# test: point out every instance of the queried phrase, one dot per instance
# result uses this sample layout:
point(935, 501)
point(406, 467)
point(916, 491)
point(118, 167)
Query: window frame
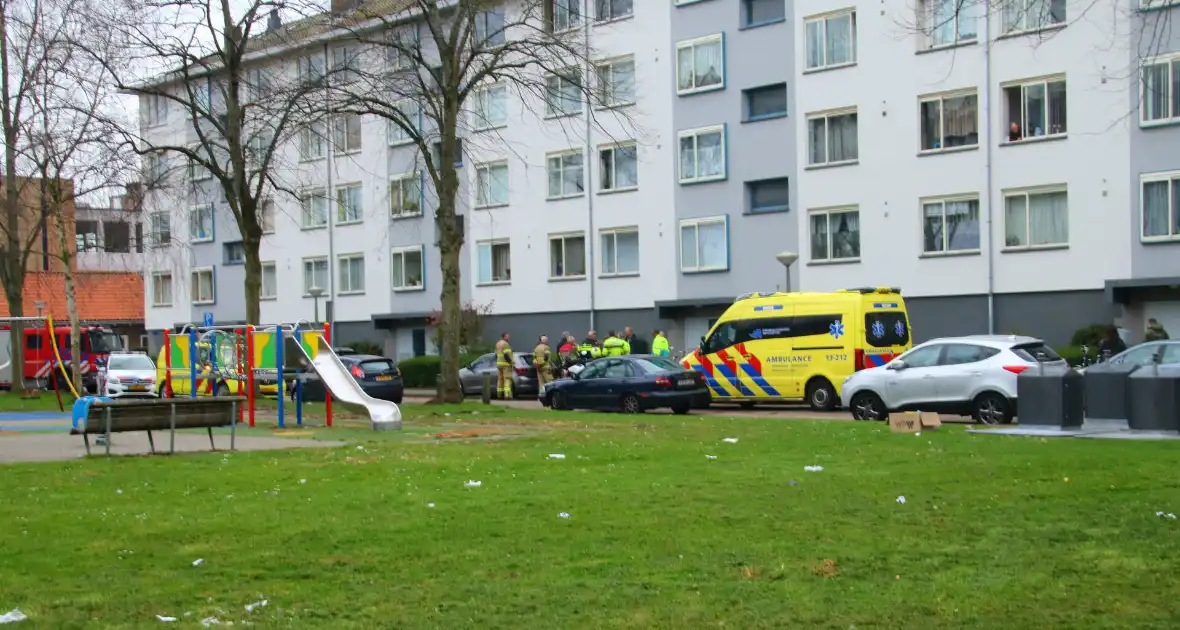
point(266, 215)
point(402, 251)
point(1026, 193)
point(195, 275)
point(155, 110)
point(307, 134)
point(940, 98)
point(156, 275)
point(614, 233)
point(197, 172)
point(563, 237)
point(1172, 178)
point(696, 224)
point(491, 244)
point(826, 115)
point(340, 207)
point(343, 264)
point(926, 21)
point(744, 21)
point(492, 40)
point(262, 293)
point(155, 234)
point(613, 148)
point(601, 90)
point(312, 260)
point(571, 24)
point(750, 91)
point(1007, 30)
point(560, 156)
point(696, 133)
point(393, 131)
point(829, 212)
point(306, 71)
point(195, 219)
point(749, 186)
point(1022, 84)
point(488, 201)
point(479, 121)
point(944, 199)
point(568, 75)
point(398, 181)
point(599, 19)
point(1173, 91)
point(715, 38)
point(825, 19)
point(227, 247)
point(344, 119)
point(306, 194)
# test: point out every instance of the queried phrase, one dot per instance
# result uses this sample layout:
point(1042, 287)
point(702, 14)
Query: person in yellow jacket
point(542, 359)
point(590, 344)
point(504, 367)
point(659, 344)
point(613, 346)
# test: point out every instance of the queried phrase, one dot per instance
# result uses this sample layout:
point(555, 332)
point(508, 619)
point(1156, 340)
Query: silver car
point(969, 376)
point(128, 374)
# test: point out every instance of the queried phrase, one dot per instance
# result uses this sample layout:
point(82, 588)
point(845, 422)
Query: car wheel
point(630, 404)
point(681, 410)
point(557, 401)
point(991, 408)
point(869, 407)
point(821, 396)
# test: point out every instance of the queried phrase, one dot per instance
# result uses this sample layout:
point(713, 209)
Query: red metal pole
point(250, 371)
point(327, 394)
point(240, 346)
point(167, 364)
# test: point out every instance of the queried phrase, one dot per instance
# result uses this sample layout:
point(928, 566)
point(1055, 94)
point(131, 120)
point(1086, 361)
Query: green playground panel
point(264, 350)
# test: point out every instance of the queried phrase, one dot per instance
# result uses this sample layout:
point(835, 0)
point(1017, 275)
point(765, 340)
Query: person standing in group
point(636, 345)
point(504, 368)
point(566, 348)
point(590, 344)
point(659, 344)
point(1111, 344)
point(1155, 331)
point(541, 359)
point(613, 346)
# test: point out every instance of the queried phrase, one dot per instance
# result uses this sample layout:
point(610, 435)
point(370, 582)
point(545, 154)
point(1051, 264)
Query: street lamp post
point(787, 259)
point(40, 306)
point(315, 293)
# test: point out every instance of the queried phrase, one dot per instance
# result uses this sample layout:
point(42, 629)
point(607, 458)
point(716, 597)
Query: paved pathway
point(60, 446)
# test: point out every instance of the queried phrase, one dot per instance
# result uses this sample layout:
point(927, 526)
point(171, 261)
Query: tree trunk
point(14, 273)
point(253, 279)
point(450, 242)
point(67, 256)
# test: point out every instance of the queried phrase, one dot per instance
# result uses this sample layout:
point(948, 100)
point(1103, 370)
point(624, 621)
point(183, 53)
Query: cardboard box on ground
point(914, 421)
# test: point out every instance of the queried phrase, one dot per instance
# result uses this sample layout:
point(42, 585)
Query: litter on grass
point(198, 562)
point(302, 481)
point(210, 621)
point(1168, 515)
point(471, 483)
point(165, 619)
point(710, 457)
point(429, 505)
point(258, 604)
point(13, 616)
point(730, 440)
point(813, 468)
point(901, 499)
point(563, 515)
point(556, 456)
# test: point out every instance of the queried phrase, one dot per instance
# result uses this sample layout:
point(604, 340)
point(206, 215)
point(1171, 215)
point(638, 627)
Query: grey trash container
point(1155, 398)
point(1108, 391)
point(1050, 397)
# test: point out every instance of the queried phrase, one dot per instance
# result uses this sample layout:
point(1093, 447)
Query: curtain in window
point(962, 225)
point(707, 64)
point(842, 140)
point(710, 156)
point(840, 43)
point(815, 44)
point(846, 235)
point(626, 167)
point(627, 249)
point(399, 270)
point(932, 235)
point(1155, 209)
point(712, 245)
point(1155, 91)
point(1048, 218)
point(502, 259)
point(942, 22)
point(688, 161)
point(684, 68)
point(688, 247)
point(819, 237)
point(575, 257)
point(1016, 221)
point(817, 131)
point(960, 125)
point(1057, 118)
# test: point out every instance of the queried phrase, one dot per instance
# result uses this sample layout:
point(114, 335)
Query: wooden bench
point(168, 414)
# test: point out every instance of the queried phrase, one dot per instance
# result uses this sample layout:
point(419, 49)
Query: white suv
point(128, 374)
point(969, 376)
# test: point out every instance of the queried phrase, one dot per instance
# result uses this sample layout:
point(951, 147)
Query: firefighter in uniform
point(613, 346)
point(504, 367)
point(543, 360)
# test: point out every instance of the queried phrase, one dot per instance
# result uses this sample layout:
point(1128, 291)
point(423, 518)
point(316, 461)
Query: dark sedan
point(378, 376)
point(631, 384)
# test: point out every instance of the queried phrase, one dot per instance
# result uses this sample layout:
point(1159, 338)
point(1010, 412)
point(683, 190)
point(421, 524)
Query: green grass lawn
point(995, 532)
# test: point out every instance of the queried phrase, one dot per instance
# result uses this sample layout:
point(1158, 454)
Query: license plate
point(385, 378)
point(687, 382)
point(139, 388)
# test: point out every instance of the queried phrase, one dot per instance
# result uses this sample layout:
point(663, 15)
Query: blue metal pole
point(192, 357)
point(213, 362)
point(279, 367)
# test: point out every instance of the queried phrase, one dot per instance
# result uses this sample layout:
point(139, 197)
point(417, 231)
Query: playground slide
point(337, 380)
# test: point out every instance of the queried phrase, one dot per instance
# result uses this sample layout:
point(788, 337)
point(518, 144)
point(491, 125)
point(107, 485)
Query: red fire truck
point(41, 364)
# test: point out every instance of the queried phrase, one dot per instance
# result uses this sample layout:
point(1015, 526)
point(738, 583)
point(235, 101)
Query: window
point(352, 274)
point(563, 94)
point(153, 109)
point(619, 168)
point(162, 288)
point(270, 283)
point(495, 262)
point(235, 253)
point(315, 275)
point(86, 236)
point(566, 175)
point(266, 216)
point(436, 153)
point(1036, 218)
point(963, 353)
point(758, 12)
point(201, 223)
point(139, 238)
point(161, 227)
point(832, 138)
point(563, 15)
point(257, 148)
point(620, 252)
point(949, 121)
point(491, 185)
point(399, 51)
point(614, 9)
point(345, 64)
point(314, 204)
point(202, 90)
point(116, 237)
point(258, 85)
point(405, 195)
point(567, 256)
point(616, 82)
point(197, 172)
point(491, 107)
point(950, 225)
point(408, 270)
point(1035, 109)
point(702, 155)
point(1161, 91)
point(1032, 15)
point(831, 40)
point(411, 115)
point(700, 64)
point(946, 22)
point(34, 342)
point(203, 286)
point(1160, 206)
point(346, 133)
point(489, 28)
point(835, 234)
point(311, 69)
point(887, 328)
point(704, 244)
point(762, 103)
point(769, 195)
point(155, 166)
point(349, 208)
point(313, 141)
point(924, 357)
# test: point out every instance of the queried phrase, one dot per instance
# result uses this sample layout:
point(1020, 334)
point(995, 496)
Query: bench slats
point(156, 415)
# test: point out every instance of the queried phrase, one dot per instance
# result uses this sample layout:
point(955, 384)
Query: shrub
point(422, 372)
point(365, 347)
point(1073, 354)
point(1089, 335)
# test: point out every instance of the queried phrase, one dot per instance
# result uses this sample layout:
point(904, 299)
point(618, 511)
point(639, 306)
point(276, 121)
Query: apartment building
point(111, 237)
point(1008, 168)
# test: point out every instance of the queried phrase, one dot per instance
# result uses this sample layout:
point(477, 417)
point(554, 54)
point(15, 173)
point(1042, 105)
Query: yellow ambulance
point(800, 346)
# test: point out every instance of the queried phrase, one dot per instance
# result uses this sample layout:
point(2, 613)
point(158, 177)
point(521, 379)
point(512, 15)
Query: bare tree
point(420, 65)
point(203, 61)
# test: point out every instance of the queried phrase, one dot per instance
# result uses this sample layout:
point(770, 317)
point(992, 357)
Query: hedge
point(422, 372)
